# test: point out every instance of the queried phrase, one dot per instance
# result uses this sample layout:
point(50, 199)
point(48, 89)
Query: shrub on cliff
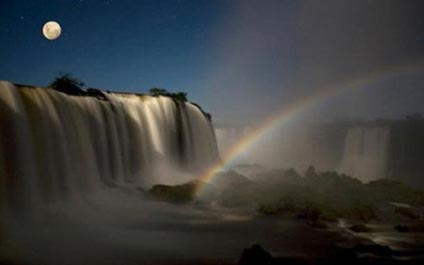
point(156, 92)
point(178, 194)
point(68, 85)
point(182, 96)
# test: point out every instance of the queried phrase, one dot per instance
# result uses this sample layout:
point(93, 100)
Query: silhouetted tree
point(155, 92)
point(181, 96)
point(68, 84)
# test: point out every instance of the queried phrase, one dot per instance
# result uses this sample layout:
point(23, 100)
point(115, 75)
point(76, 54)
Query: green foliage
point(323, 196)
point(330, 195)
point(396, 191)
point(72, 86)
point(360, 211)
point(182, 96)
point(156, 92)
point(178, 194)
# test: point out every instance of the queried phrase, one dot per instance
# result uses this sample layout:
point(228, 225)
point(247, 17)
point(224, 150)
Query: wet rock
point(374, 249)
point(360, 228)
point(255, 255)
point(93, 92)
point(409, 212)
point(309, 213)
point(411, 228)
point(178, 194)
point(317, 224)
point(402, 228)
point(230, 180)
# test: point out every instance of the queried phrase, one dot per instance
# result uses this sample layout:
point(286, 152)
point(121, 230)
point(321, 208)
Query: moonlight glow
point(52, 30)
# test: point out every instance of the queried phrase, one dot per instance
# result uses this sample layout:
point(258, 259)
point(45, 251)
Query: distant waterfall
point(366, 153)
point(227, 137)
point(54, 146)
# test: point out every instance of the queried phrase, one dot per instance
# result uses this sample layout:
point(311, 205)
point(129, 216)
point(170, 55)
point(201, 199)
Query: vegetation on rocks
point(68, 85)
point(315, 197)
point(156, 92)
point(178, 194)
point(72, 86)
point(324, 196)
point(360, 228)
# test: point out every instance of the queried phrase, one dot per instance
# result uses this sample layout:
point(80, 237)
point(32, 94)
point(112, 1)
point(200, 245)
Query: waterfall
point(56, 147)
point(366, 153)
point(367, 150)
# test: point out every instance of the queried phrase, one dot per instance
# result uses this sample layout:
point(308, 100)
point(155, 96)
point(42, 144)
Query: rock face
point(417, 227)
point(360, 228)
point(230, 180)
point(378, 250)
point(255, 255)
point(183, 193)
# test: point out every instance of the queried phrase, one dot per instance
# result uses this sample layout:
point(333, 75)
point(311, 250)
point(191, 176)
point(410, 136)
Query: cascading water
point(56, 147)
point(366, 153)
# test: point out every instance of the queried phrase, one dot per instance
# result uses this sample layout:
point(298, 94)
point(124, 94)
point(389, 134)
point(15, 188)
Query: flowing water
point(56, 147)
point(366, 153)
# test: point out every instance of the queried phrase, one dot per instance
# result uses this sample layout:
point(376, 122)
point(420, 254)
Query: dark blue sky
point(119, 45)
point(239, 59)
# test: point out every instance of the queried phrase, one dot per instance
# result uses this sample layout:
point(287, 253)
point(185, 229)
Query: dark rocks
point(408, 212)
point(377, 250)
point(411, 228)
point(72, 86)
point(310, 214)
point(377, 255)
point(402, 228)
point(360, 228)
point(96, 93)
point(230, 180)
point(317, 224)
point(178, 194)
point(255, 255)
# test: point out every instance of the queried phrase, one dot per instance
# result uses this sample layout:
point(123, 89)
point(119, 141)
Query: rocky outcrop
point(256, 255)
point(178, 194)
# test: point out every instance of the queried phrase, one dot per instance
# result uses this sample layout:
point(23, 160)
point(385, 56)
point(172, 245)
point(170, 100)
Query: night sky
point(241, 60)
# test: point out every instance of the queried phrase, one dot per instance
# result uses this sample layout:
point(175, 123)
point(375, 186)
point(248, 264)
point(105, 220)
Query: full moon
point(52, 30)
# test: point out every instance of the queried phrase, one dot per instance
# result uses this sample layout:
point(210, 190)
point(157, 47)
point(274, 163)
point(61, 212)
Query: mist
point(271, 55)
point(274, 55)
